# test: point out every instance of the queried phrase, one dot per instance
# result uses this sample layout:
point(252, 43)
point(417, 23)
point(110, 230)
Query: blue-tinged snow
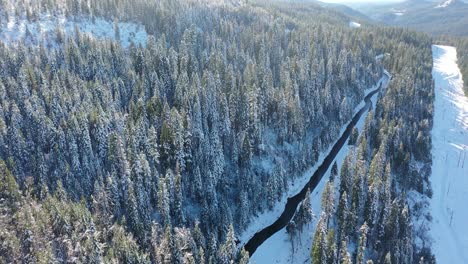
point(449, 180)
point(44, 29)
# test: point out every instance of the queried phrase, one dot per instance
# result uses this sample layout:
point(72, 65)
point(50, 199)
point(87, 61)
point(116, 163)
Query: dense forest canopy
point(163, 152)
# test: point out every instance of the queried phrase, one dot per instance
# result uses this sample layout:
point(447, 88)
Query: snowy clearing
point(277, 249)
point(449, 177)
point(45, 27)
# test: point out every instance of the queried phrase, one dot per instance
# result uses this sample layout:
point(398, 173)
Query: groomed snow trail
point(449, 178)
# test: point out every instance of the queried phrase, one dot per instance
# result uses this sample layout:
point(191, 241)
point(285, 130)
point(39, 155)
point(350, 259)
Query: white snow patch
point(277, 249)
point(449, 177)
point(353, 24)
point(420, 217)
point(380, 57)
point(444, 4)
point(398, 13)
point(44, 29)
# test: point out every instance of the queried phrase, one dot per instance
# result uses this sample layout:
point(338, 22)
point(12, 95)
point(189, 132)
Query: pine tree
point(334, 172)
point(331, 247)
point(228, 250)
point(328, 201)
point(153, 147)
point(318, 252)
point(271, 191)
point(346, 174)
point(353, 137)
point(134, 221)
point(243, 256)
point(304, 215)
point(141, 175)
point(344, 254)
point(198, 184)
point(360, 259)
point(9, 190)
point(163, 201)
point(342, 214)
point(243, 209)
point(179, 217)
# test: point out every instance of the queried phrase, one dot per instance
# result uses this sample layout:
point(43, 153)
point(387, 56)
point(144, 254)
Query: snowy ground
point(44, 29)
point(277, 249)
point(450, 160)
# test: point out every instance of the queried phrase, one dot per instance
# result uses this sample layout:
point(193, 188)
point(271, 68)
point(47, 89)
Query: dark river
point(293, 202)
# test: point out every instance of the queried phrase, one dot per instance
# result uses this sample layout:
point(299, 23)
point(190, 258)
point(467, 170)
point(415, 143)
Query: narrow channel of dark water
point(293, 202)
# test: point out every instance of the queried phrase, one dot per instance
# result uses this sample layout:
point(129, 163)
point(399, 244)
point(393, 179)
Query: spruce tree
point(361, 254)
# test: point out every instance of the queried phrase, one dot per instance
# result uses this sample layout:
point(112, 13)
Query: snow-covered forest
point(158, 131)
point(376, 212)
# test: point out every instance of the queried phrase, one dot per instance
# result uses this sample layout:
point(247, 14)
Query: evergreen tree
point(342, 214)
point(344, 254)
point(361, 255)
point(304, 215)
point(319, 246)
point(353, 137)
point(243, 256)
point(328, 201)
point(334, 172)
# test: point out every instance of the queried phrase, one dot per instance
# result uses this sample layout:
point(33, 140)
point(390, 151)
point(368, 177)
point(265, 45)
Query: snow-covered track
point(449, 178)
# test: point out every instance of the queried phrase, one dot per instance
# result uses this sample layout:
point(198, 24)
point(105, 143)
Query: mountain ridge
point(434, 17)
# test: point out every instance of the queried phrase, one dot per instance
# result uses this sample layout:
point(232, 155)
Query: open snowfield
point(278, 249)
point(450, 160)
point(44, 29)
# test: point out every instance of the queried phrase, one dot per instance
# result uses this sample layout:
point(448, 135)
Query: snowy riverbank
point(277, 249)
point(449, 178)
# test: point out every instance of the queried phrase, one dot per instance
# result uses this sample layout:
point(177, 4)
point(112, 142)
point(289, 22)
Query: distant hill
point(346, 10)
point(340, 10)
point(435, 17)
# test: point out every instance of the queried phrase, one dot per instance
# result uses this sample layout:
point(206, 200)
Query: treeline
point(462, 55)
point(461, 44)
point(367, 215)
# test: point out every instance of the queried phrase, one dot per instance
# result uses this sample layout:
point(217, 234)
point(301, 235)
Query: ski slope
point(449, 178)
